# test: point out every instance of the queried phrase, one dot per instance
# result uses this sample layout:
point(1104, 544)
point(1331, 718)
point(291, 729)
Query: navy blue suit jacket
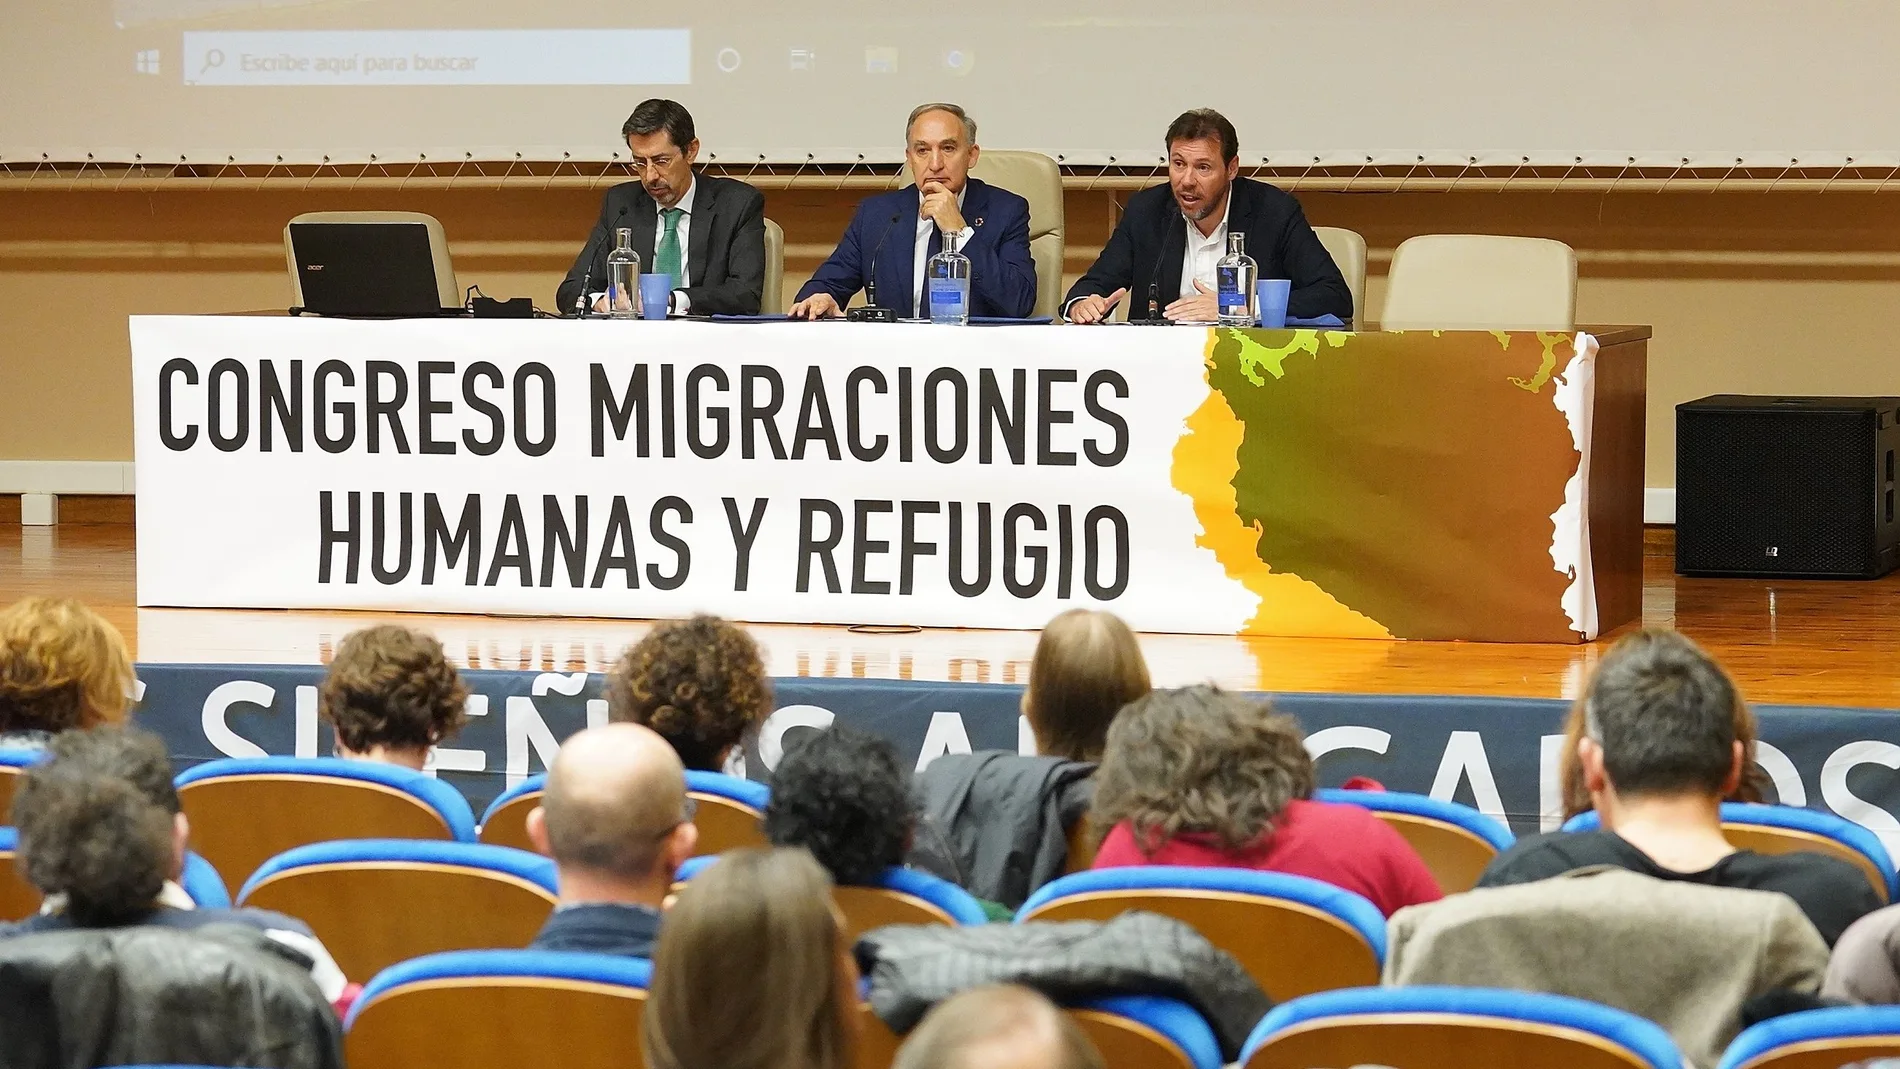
point(1002, 274)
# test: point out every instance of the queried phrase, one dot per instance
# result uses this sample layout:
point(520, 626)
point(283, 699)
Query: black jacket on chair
point(1147, 248)
point(222, 994)
point(725, 245)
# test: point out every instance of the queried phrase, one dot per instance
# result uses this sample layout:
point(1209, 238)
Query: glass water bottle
point(623, 276)
point(1235, 276)
point(947, 284)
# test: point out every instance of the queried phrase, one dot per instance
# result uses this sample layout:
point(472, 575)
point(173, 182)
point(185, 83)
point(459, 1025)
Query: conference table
point(1481, 485)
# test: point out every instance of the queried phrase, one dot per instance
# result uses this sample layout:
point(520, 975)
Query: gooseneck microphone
point(873, 312)
point(582, 306)
point(1170, 218)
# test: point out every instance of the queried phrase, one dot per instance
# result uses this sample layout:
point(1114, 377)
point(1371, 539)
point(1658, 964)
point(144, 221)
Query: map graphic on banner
point(1330, 493)
point(1409, 485)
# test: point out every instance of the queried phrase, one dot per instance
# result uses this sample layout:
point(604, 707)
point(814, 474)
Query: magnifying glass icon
point(213, 58)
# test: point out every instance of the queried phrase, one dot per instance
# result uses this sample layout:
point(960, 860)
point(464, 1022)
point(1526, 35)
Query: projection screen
point(1500, 81)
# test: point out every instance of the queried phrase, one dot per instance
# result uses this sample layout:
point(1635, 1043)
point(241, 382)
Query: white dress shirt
point(681, 303)
point(1201, 259)
point(920, 246)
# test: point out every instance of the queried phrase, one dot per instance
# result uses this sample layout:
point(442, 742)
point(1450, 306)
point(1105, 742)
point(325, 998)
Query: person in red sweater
point(1201, 777)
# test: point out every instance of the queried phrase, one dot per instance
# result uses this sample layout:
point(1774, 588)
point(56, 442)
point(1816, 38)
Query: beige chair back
point(1037, 179)
point(1455, 856)
point(446, 290)
point(1481, 282)
point(865, 908)
point(1289, 948)
point(373, 914)
point(1348, 251)
point(1081, 847)
point(10, 777)
point(18, 898)
point(1438, 1041)
point(1124, 1043)
point(772, 298)
point(499, 1022)
point(1768, 839)
point(508, 826)
point(1832, 1053)
point(240, 822)
point(724, 823)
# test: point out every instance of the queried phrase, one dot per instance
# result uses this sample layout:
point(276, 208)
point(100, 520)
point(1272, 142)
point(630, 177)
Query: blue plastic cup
point(1272, 294)
point(656, 292)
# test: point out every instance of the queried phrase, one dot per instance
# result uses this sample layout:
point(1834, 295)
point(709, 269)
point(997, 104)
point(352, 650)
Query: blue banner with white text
point(1497, 754)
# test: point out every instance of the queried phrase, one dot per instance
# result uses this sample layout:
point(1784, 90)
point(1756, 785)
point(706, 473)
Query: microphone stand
point(873, 312)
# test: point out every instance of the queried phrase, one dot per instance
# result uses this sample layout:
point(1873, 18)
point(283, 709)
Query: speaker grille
point(1762, 490)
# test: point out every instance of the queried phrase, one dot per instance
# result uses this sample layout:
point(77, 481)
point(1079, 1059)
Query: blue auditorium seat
point(1830, 1038)
point(903, 896)
point(1292, 934)
point(500, 1009)
point(247, 810)
point(375, 902)
point(1455, 841)
point(1454, 1028)
point(1782, 829)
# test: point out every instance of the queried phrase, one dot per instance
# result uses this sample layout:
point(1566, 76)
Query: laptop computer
point(368, 270)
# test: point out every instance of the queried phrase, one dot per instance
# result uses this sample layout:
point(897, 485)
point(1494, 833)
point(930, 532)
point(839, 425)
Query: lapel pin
point(978, 221)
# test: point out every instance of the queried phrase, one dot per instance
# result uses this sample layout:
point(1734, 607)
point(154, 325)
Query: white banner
point(828, 473)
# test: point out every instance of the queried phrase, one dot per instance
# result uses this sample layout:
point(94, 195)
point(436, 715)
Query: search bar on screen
point(439, 57)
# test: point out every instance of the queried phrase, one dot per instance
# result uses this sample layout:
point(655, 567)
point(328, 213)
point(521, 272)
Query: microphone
point(1170, 218)
point(580, 299)
point(583, 306)
point(873, 312)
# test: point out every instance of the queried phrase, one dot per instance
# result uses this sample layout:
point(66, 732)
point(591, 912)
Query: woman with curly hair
point(61, 666)
point(392, 695)
point(699, 683)
point(843, 795)
point(1201, 777)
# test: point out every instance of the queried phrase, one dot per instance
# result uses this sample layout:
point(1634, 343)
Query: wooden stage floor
point(1824, 643)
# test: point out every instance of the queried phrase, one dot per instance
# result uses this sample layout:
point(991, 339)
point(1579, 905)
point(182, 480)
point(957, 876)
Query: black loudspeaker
point(1787, 487)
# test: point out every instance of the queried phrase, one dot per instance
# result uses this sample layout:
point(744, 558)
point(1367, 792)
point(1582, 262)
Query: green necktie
point(666, 259)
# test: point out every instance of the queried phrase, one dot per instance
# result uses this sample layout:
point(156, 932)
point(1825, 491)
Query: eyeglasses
point(641, 163)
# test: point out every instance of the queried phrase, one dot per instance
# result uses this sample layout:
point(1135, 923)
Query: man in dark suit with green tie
point(707, 233)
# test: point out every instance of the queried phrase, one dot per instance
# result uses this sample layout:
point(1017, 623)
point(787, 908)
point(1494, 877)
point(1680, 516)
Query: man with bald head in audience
point(997, 1027)
point(615, 819)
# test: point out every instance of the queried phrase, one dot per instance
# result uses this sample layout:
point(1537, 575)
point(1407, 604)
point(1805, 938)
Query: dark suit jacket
point(725, 245)
point(1279, 239)
point(1002, 274)
point(602, 928)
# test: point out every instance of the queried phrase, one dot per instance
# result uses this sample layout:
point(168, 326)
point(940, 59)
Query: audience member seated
point(102, 837)
point(1692, 958)
point(700, 683)
point(1198, 776)
point(1865, 967)
point(996, 822)
point(842, 795)
point(1659, 752)
point(61, 666)
point(753, 971)
point(616, 821)
point(392, 696)
point(1003, 1026)
point(1753, 786)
